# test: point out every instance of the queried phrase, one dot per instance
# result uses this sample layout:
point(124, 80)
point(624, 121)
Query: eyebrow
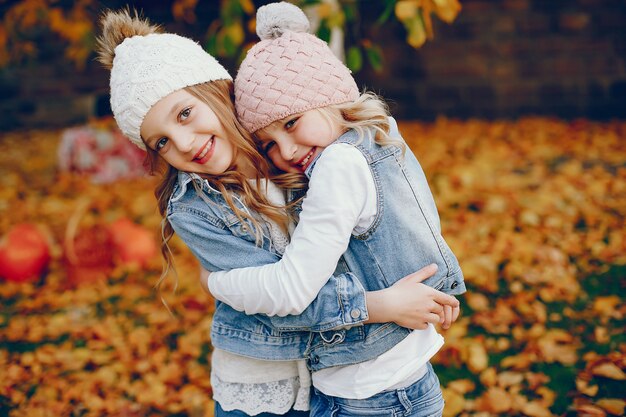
point(287, 118)
point(176, 105)
point(278, 124)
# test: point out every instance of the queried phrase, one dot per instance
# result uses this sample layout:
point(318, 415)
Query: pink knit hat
point(289, 71)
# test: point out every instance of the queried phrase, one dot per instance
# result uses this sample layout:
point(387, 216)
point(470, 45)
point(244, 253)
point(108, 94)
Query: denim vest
point(404, 237)
point(201, 217)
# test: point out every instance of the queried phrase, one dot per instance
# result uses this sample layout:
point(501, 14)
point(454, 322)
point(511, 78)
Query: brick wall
point(508, 58)
point(51, 92)
point(500, 58)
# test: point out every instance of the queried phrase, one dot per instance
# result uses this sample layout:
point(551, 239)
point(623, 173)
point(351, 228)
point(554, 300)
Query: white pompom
point(272, 20)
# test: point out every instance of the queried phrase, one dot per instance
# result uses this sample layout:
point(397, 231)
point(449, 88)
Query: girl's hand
point(450, 315)
point(204, 280)
point(411, 304)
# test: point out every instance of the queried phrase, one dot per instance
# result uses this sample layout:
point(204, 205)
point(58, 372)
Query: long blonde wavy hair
point(218, 95)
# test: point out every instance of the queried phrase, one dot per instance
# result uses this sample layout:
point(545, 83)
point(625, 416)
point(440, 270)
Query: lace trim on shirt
point(276, 397)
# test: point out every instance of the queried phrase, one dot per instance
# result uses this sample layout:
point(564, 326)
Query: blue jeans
point(236, 413)
point(422, 399)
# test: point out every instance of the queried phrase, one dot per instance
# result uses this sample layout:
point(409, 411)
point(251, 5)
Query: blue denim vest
point(201, 217)
point(404, 237)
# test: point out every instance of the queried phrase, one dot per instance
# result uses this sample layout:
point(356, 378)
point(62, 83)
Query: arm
point(337, 195)
point(217, 248)
point(408, 302)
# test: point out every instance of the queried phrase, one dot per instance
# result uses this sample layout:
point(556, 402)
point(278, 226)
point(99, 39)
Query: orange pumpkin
point(132, 242)
point(24, 253)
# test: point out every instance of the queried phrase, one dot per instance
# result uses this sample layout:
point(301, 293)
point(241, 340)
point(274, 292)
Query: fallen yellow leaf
point(584, 387)
point(606, 305)
point(609, 370)
point(548, 396)
point(455, 403)
point(462, 386)
point(535, 409)
point(521, 361)
point(588, 410)
point(507, 378)
point(601, 335)
point(477, 301)
point(495, 400)
point(477, 359)
point(612, 405)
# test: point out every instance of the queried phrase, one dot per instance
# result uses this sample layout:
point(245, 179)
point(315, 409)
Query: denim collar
point(183, 181)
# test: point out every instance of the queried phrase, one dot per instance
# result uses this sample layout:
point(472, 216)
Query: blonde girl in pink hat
point(172, 99)
point(368, 203)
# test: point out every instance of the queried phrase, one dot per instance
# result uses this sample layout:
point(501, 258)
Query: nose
point(183, 141)
point(287, 149)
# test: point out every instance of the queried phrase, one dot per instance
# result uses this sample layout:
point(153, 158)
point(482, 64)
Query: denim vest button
point(454, 285)
point(355, 313)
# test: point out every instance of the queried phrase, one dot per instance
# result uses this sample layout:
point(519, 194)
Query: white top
point(256, 386)
point(341, 200)
point(399, 367)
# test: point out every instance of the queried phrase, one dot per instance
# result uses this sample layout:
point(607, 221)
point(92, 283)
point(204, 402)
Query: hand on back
point(413, 305)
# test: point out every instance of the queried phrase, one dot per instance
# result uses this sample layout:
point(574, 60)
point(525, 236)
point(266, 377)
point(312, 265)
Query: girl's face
point(293, 142)
point(188, 135)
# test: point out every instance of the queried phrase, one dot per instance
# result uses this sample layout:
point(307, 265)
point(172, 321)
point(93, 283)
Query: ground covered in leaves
point(534, 210)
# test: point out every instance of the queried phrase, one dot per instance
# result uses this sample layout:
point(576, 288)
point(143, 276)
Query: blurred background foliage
point(26, 23)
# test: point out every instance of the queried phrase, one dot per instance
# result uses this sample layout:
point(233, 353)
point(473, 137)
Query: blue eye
point(291, 123)
point(184, 114)
point(160, 144)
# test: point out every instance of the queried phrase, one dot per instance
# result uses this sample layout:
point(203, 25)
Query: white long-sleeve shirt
point(341, 200)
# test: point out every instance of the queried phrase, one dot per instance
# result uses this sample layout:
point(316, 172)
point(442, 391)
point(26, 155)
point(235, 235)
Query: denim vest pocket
point(244, 230)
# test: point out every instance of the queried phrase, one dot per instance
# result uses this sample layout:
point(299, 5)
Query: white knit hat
point(148, 68)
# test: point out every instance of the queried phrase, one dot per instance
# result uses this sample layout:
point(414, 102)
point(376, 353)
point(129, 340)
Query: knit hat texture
point(289, 71)
point(148, 68)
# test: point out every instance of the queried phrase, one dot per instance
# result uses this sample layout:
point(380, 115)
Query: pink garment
point(100, 151)
point(293, 73)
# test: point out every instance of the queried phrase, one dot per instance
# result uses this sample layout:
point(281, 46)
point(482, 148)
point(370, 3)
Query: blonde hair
point(218, 95)
point(369, 111)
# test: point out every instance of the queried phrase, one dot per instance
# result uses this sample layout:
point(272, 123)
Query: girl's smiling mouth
point(303, 163)
point(206, 152)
